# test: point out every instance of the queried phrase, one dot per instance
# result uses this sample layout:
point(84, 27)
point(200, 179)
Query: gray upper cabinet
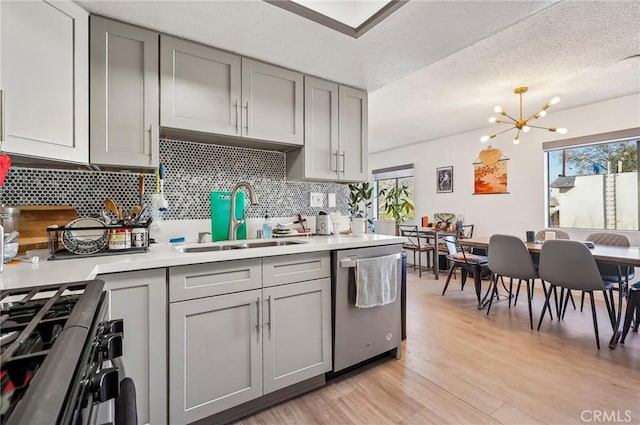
point(124, 94)
point(207, 90)
point(272, 103)
point(200, 87)
point(44, 80)
point(352, 156)
point(335, 141)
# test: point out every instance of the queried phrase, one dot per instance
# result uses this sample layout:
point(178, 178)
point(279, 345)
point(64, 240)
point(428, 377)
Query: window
point(389, 178)
point(593, 182)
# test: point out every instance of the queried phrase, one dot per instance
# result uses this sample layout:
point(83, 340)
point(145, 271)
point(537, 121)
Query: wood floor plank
point(461, 366)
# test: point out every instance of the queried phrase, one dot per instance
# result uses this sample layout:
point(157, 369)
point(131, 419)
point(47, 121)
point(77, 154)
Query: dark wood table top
point(615, 254)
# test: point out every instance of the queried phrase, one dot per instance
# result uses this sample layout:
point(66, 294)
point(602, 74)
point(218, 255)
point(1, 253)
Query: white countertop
point(164, 255)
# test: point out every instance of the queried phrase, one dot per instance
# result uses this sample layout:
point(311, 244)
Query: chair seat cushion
point(614, 278)
point(470, 258)
point(416, 248)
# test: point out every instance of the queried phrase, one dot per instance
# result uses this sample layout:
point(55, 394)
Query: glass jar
point(119, 239)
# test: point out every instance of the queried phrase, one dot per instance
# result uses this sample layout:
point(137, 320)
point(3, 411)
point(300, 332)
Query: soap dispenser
point(267, 230)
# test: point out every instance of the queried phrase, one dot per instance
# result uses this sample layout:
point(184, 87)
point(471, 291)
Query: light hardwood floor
point(461, 367)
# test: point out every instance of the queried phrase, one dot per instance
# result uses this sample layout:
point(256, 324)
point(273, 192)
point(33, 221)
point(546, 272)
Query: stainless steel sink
point(244, 245)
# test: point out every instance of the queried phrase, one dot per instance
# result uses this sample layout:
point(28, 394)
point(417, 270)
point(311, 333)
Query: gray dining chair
point(569, 264)
point(612, 272)
point(509, 257)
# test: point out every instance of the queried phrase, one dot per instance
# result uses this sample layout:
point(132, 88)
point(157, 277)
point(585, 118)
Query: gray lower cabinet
point(140, 298)
point(124, 126)
point(297, 333)
point(44, 80)
point(215, 351)
point(241, 342)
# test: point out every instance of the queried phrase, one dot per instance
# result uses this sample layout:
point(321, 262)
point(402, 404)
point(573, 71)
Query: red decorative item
point(5, 163)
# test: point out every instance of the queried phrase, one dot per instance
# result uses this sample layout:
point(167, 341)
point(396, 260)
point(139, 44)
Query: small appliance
point(323, 224)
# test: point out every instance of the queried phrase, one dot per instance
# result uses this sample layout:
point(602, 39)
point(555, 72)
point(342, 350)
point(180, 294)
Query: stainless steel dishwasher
point(362, 333)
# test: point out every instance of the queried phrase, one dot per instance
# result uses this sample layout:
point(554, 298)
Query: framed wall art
point(445, 179)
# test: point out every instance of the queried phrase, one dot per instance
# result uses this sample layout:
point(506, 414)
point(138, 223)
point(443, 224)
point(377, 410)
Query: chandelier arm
point(537, 126)
point(504, 131)
point(505, 122)
point(509, 116)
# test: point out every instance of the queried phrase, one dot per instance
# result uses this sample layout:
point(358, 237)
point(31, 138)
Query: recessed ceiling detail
point(353, 18)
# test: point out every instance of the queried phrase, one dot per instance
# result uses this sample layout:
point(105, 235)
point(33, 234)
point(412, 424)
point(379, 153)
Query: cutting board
point(220, 209)
point(34, 220)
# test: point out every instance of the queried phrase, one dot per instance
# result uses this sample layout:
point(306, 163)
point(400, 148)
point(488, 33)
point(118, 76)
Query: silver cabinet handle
point(237, 117)
point(145, 148)
point(334, 161)
point(2, 121)
point(270, 310)
point(246, 123)
point(343, 162)
point(258, 317)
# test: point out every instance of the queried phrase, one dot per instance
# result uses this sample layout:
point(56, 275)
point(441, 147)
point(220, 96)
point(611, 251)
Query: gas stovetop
point(43, 334)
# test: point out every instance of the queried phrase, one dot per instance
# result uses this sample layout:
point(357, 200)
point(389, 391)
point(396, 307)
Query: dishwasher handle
point(347, 263)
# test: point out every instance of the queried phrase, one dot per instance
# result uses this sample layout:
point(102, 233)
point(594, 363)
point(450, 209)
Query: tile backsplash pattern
point(192, 171)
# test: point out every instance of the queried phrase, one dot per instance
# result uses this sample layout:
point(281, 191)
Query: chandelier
point(521, 124)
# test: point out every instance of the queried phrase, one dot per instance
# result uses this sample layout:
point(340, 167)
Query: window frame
point(391, 173)
point(585, 141)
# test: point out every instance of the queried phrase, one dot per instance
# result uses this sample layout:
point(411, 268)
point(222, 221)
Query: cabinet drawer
point(205, 280)
point(295, 268)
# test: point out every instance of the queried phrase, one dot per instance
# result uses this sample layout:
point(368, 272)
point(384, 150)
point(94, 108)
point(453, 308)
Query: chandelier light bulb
point(554, 100)
point(562, 130)
point(484, 138)
point(497, 109)
point(516, 141)
point(526, 129)
point(492, 119)
point(541, 114)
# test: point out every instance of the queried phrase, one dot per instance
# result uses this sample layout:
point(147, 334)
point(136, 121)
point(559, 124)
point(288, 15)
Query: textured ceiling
point(432, 68)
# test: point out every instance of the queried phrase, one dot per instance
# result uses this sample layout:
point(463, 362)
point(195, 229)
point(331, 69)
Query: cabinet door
point(124, 94)
point(352, 157)
point(44, 79)
point(320, 129)
point(215, 353)
point(272, 106)
point(200, 87)
point(297, 332)
point(140, 298)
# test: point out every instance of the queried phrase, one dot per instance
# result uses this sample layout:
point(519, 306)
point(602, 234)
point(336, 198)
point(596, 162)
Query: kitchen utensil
point(8, 238)
point(135, 212)
point(220, 211)
point(113, 207)
point(140, 189)
point(85, 241)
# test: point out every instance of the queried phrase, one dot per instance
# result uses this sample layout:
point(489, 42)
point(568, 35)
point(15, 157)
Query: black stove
point(54, 342)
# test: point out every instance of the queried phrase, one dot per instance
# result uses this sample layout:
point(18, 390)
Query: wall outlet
point(332, 200)
point(316, 200)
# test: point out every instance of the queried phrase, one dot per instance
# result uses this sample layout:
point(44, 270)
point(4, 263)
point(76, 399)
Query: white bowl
point(10, 251)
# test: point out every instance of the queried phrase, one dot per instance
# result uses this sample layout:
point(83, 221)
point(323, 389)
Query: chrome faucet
point(234, 223)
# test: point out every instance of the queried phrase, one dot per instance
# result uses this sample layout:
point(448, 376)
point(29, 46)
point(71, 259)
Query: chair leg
point(510, 290)
point(612, 317)
point(558, 306)
point(595, 319)
point(515, 300)
point(419, 264)
point(544, 288)
point(493, 289)
point(546, 304)
point(628, 316)
point(446, 284)
point(566, 302)
point(581, 301)
point(529, 304)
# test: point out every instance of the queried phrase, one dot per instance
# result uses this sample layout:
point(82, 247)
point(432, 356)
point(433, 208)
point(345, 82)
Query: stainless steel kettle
point(9, 218)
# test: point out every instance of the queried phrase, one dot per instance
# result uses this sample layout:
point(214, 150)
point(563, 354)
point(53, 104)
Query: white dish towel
point(376, 281)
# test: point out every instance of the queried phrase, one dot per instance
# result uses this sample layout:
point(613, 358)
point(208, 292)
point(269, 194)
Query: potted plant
point(396, 204)
point(360, 195)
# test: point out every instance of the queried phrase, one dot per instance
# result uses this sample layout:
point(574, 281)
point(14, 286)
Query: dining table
point(618, 255)
point(433, 235)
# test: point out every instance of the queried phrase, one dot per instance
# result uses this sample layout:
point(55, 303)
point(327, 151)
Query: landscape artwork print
point(490, 179)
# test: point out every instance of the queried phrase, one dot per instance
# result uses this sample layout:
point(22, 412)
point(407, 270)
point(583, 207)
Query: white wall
point(524, 207)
